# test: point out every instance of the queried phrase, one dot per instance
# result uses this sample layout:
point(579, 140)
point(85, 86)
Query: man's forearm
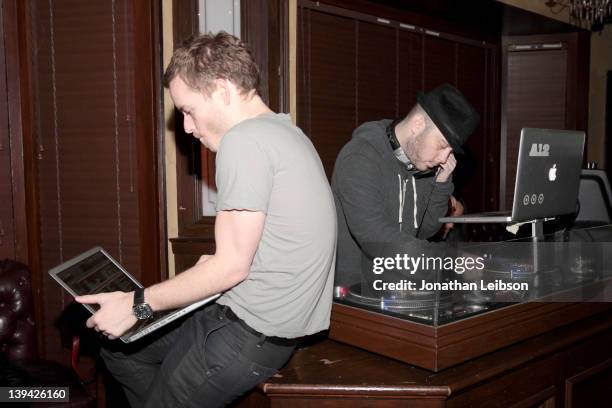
point(437, 207)
point(198, 282)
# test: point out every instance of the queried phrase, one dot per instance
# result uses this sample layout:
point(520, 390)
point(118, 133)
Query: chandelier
point(590, 11)
point(584, 12)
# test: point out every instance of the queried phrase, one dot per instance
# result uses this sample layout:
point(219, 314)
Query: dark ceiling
point(487, 15)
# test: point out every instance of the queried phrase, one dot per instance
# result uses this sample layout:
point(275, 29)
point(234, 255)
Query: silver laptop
point(547, 178)
point(95, 271)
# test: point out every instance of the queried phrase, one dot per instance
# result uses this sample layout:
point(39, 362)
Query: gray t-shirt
point(267, 164)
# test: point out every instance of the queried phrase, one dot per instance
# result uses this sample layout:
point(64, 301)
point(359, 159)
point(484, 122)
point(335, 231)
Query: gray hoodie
point(375, 195)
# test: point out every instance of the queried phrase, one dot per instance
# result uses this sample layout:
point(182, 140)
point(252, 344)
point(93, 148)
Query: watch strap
point(139, 296)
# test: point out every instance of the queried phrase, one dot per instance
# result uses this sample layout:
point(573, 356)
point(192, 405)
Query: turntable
point(436, 329)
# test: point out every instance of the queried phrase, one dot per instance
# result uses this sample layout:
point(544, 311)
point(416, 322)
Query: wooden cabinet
point(565, 367)
point(437, 348)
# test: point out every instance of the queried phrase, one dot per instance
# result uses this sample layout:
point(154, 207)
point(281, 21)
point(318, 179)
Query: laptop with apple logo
point(547, 178)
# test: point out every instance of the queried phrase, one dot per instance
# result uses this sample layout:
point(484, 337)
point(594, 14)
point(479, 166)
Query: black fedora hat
point(451, 112)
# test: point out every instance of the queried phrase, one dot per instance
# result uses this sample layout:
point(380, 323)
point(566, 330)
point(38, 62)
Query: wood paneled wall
point(95, 76)
point(354, 67)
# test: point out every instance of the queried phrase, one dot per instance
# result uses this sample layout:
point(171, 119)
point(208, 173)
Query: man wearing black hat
point(392, 181)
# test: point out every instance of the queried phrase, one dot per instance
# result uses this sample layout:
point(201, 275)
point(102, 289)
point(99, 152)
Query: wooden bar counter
point(569, 366)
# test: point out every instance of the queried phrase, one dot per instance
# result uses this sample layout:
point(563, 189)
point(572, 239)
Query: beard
point(413, 149)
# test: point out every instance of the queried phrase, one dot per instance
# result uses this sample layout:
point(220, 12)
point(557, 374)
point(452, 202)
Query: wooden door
point(544, 85)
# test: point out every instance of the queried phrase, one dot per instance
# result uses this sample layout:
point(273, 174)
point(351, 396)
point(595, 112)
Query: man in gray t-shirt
point(266, 164)
point(275, 239)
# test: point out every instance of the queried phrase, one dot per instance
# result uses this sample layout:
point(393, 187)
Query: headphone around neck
point(399, 153)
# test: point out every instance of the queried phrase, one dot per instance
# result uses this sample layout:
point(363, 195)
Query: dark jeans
point(207, 361)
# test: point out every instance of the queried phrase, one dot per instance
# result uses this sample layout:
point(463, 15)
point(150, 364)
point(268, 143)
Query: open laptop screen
point(93, 272)
point(96, 271)
point(547, 178)
point(548, 173)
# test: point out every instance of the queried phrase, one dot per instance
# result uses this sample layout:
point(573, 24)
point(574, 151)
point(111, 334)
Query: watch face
point(142, 311)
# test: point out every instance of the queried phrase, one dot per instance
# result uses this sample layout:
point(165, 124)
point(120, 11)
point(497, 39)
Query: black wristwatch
point(141, 310)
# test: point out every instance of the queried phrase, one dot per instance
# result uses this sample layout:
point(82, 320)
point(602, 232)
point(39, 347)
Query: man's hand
point(454, 208)
point(115, 316)
point(447, 169)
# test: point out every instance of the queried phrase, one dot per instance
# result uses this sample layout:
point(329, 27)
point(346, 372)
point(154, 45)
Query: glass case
point(440, 283)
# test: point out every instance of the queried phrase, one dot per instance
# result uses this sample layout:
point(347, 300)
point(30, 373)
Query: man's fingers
point(448, 166)
point(93, 323)
point(447, 228)
point(90, 299)
point(450, 163)
point(115, 312)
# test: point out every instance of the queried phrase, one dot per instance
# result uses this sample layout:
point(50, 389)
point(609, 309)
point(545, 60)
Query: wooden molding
point(149, 131)
point(437, 348)
point(17, 41)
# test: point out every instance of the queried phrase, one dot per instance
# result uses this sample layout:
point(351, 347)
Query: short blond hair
point(202, 59)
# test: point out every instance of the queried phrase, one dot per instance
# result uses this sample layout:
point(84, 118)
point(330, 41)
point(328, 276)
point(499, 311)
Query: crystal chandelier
point(590, 11)
point(584, 12)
